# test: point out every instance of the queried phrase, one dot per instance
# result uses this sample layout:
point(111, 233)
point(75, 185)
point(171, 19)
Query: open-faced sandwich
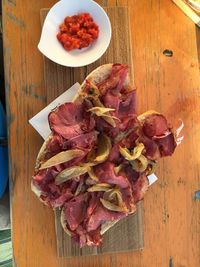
point(95, 163)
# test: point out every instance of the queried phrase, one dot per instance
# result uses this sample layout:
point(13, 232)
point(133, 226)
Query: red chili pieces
point(78, 31)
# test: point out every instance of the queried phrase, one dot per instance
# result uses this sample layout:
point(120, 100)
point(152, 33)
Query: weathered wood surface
point(168, 84)
point(57, 79)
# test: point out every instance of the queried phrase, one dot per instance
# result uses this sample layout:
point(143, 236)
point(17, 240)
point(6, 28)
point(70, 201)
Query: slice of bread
point(97, 76)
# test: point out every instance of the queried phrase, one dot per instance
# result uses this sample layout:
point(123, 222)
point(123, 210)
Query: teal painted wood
point(5, 248)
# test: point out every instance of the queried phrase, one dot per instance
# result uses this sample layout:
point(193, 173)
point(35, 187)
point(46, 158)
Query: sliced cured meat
point(53, 195)
point(127, 196)
point(101, 215)
point(124, 105)
point(82, 141)
point(59, 201)
point(75, 161)
point(106, 174)
point(111, 101)
point(54, 146)
point(130, 173)
point(94, 238)
point(126, 123)
point(151, 148)
point(79, 236)
point(45, 176)
point(93, 203)
point(70, 120)
point(114, 155)
point(121, 126)
point(140, 187)
point(129, 140)
point(50, 193)
point(160, 147)
point(85, 238)
point(125, 140)
point(87, 104)
point(103, 127)
point(166, 145)
point(119, 71)
point(155, 125)
point(75, 211)
point(115, 81)
point(127, 106)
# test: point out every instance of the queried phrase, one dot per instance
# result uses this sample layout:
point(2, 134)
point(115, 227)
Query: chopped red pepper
point(78, 31)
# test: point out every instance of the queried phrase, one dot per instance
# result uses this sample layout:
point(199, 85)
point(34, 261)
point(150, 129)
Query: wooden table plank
point(171, 85)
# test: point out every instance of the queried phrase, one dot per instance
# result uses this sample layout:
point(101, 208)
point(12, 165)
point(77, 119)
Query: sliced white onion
point(179, 140)
point(179, 129)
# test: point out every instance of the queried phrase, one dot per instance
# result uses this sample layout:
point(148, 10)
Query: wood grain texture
point(57, 79)
point(170, 85)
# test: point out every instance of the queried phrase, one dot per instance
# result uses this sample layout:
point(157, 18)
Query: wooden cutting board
point(128, 233)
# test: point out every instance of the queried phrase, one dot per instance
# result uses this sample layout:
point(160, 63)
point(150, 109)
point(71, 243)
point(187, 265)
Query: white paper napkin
point(40, 120)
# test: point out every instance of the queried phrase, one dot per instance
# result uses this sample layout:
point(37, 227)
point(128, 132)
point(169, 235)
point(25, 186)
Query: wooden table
point(168, 84)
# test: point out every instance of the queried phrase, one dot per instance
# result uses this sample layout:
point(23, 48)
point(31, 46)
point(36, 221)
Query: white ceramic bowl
point(52, 48)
